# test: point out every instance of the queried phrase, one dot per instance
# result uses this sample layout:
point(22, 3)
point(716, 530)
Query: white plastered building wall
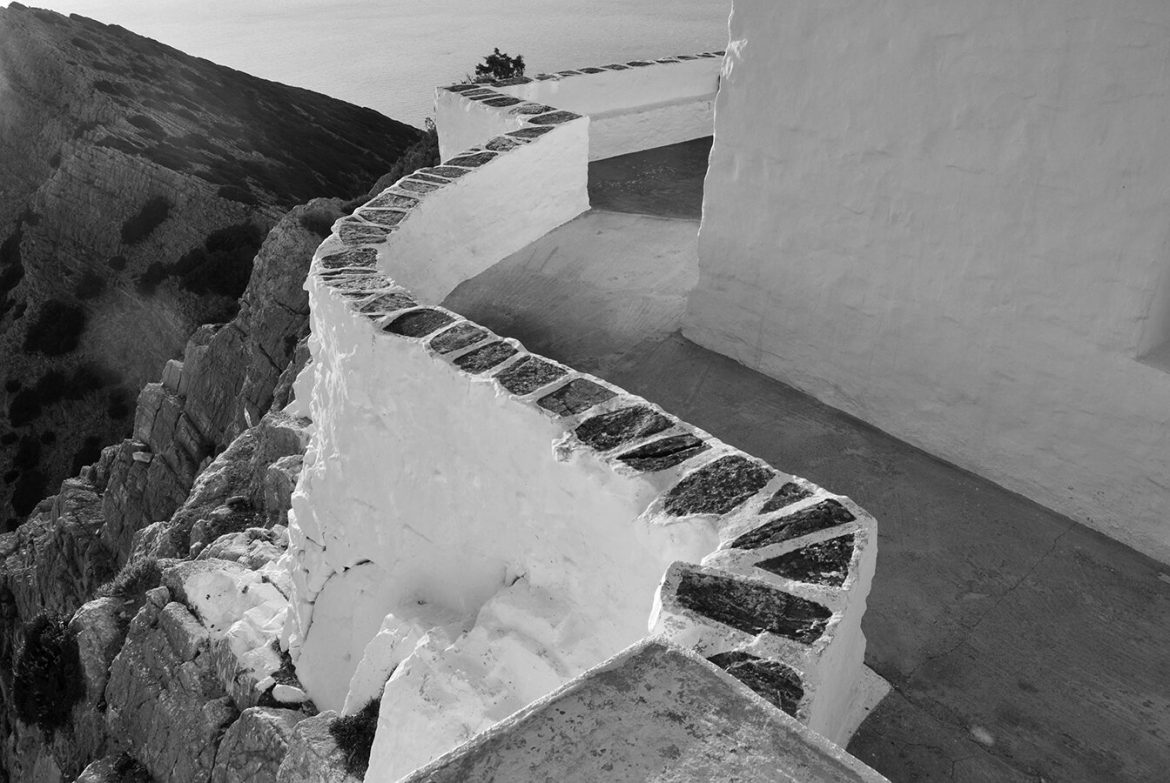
point(951, 220)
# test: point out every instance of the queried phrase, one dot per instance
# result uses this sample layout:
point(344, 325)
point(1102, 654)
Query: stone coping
point(587, 71)
point(769, 603)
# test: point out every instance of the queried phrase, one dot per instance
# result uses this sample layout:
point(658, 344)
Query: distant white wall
point(467, 226)
point(953, 220)
point(638, 108)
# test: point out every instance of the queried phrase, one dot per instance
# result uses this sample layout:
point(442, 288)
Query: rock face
point(136, 183)
point(198, 496)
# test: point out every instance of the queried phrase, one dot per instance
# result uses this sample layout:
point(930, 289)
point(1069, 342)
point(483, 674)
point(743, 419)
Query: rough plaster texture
point(949, 220)
point(466, 226)
point(653, 713)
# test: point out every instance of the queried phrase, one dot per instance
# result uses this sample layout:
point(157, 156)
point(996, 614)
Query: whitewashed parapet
point(632, 106)
point(777, 599)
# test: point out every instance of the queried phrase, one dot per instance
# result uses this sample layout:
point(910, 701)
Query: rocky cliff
point(136, 185)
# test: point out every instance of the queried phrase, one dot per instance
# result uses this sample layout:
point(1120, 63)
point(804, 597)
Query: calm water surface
point(390, 54)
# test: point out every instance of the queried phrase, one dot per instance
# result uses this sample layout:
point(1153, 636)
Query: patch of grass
point(47, 675)
point(132, 582)
point(354, 735)
point(151, 216)
point(318, 221)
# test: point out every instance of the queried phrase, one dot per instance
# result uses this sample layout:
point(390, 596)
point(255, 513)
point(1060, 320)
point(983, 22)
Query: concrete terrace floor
point(1021, 646)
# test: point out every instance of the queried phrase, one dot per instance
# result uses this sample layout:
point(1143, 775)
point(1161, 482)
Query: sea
point(390, 54)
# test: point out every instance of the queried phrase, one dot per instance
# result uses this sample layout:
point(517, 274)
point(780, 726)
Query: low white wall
point(950, 220)
point(632, 107)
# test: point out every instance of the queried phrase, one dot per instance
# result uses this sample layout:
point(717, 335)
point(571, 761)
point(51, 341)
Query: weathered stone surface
point(665, 453)
point(450, 172)
point(313, 755)
point(386, 303)
point(826, 563)
point(486, 357)
point(471, 161)
point(654, 713)
point(503, 100)
point(383, 217)
point(529, 133)
point(362, 257)
point(414, 186)
point(419, 323)
point(579, 394)
point(253, 548)
point(532, 108)
point(610, 430)
point(785, 496)
point(502, 144)
point(823, 515)
point(459, 336)
point(529, 374)
point(719, 487)
point(360, 285)
point(254, 747)
point(362, 234)
point(392, 200)
point(100, 628)
point(280, 479)
point(776, 682)
point(751, 607)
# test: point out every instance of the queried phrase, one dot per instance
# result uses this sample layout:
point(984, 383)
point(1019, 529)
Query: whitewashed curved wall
point(631, 106)
point(953, 220)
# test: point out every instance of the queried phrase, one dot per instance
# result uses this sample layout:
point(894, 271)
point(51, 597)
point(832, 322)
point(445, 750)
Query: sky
point(390, 54)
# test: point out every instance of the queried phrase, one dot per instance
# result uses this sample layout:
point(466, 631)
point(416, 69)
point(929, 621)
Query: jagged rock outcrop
point(212, 463)
point(136, 183)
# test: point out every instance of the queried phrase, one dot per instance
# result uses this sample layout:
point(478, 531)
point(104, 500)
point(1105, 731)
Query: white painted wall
point(428, 491)
point(463, 228)
point(635, 109)
point(951, 220)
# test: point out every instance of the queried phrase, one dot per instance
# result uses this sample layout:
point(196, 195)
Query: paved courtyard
point(1021, 646)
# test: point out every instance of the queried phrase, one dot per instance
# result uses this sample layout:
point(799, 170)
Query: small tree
point(498, 65)
point(47, 677)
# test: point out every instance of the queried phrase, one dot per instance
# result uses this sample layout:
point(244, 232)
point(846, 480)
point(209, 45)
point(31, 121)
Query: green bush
point(498, 65)
point(57, 329)
point(151, 216)
point(132, 582)
point(354, 735)
point(47, 677)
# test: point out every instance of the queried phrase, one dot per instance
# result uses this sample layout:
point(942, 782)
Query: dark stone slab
point(639, 63)
point(414, 186)
point(785, 496)
point(392, 200)
point(429, 178)
point(610, 430)
point(528, 375)
point(362, 257)
point(502, 144)
point(579, 394)
point(328, 275)
point(666, 60)
point(503, 100)
point(362, 285)
point(458, 337)
point(665, 453)
point(387, 303)
point(616, 67)
point(487, 357)
point(471, 161)
point(486, 96)
point(529, 133)
point(719, 54)
point(478, 92)
point(752, 607)
point(826, 563)
point(592, 70)
point(418, 323)
point(533, 108)
point(450, 172)
point(823, 515)
point(686, 57)
point(463, 87)
point(776, 682)
point(568, 73)
point(545, 77)
point(386, 217)
point(362, 234)
point(512, 81)
point(707, 54)
point(554, 118)
point(718, 488)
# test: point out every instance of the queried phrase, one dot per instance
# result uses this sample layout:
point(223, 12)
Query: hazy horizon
point(390, 55)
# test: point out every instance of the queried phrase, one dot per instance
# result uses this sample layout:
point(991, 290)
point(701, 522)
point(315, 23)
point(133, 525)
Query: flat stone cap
point(654, 713)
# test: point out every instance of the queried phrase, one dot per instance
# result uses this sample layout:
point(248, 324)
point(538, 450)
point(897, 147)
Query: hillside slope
point(136, 185)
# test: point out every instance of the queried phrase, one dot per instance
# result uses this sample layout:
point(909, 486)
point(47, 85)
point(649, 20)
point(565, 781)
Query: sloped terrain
point(136, 185)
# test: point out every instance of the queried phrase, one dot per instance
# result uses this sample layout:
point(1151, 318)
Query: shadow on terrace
point(1020, 645)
